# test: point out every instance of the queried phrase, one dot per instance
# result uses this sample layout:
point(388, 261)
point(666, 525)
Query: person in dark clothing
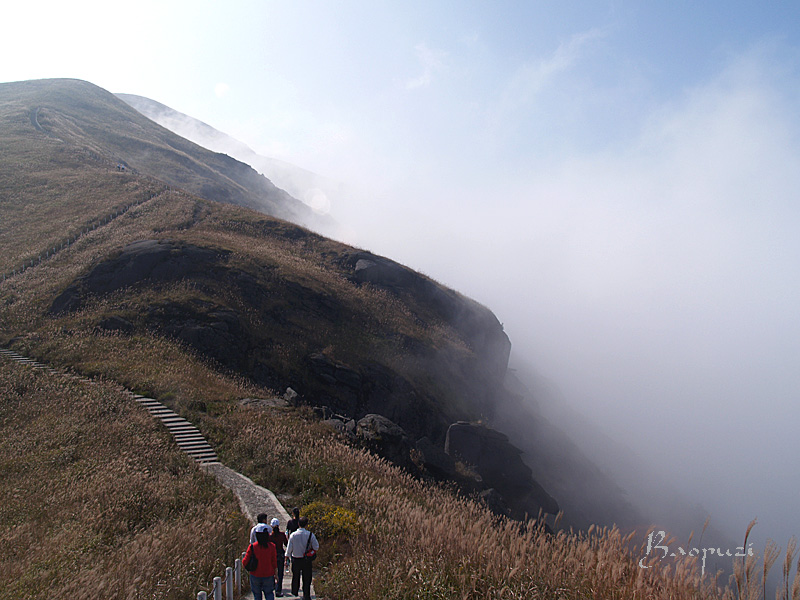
point(300, 542)
point(293, 523)
point(262, 580)
point(261, 518)
point(279, 539)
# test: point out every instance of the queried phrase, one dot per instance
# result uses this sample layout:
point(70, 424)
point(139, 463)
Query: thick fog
point(653, 286)
point(649, 288)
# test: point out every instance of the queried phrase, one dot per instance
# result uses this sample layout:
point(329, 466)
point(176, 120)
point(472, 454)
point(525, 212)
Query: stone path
point(186, 435)
point(253, 498)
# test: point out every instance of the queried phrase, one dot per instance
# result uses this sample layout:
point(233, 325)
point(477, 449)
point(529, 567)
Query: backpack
point(252, 564)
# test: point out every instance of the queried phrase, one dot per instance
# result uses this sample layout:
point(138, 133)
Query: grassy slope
point(80, 121)
point(95, 498)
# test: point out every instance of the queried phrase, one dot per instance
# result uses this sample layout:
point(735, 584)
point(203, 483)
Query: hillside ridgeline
point(350, 332)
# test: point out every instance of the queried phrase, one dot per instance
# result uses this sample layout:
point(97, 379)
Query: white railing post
point(238, 576)
point(228, 583)
point(217, 588)
point(202, 596)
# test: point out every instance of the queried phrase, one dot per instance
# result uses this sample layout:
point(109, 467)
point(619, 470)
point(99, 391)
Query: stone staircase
point(186, 435)
point(15, 356)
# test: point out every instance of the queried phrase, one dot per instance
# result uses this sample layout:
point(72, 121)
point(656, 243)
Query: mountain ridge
point(311, 188)
point(353, 332)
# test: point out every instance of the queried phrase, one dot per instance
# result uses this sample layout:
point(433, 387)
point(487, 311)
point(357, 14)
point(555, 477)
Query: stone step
point(189, 437)
point(192, 443)
point(200, 451)
point(196, 440)
point(186, 446)
point(176, 420)
point(203, 456)
point(207, 460)
point(150, 403)
point(160, 412)
point(164, 413)
point(184, 430)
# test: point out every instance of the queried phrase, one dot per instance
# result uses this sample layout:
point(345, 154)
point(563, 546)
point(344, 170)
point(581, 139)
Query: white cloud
point(655, 281)
point(431, 60)
point(531, 78)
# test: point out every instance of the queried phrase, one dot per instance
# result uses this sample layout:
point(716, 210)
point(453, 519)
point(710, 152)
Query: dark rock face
point(437, 462)
point(372, 388)
point(476, 323)
point(500, 466)
point(494, 501)
point(157, 260)
point(243, 315)
point(154, 260)
point(115, 323)
point(335, 373)
point(213, 330)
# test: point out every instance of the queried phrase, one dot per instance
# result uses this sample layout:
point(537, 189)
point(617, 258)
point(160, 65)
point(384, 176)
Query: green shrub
point(331, 521)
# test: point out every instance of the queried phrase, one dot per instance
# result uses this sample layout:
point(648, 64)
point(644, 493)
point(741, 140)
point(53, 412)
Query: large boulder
point(385, 438)
point(435, 460)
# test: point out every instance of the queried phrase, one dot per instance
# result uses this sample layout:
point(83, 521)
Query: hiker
point(293, 523)
point(262, 579)
point(261, 518)
point(301, 543)
point(279, 539)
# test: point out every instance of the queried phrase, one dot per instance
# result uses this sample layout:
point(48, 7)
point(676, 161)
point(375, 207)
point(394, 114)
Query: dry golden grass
point(420, 541)
point(97, 502)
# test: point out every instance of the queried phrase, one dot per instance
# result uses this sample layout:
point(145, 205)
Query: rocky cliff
point(398, 385)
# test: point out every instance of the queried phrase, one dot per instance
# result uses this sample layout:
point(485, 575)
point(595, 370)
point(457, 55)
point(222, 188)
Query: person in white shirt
point(301, 542)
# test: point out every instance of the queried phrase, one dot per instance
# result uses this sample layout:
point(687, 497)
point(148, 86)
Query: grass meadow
point(96, 501)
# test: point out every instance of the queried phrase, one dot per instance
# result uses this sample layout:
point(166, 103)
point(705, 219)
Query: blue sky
point(617, 180)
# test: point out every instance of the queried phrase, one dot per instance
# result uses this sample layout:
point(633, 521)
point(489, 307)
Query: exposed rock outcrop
point(435, 460)
point(476, 323)
point(384, 388)
point(385, 438)
point(500, 465)
point(154, 260)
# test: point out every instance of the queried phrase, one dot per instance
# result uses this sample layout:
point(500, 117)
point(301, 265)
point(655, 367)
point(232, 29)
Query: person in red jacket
point(262, 580)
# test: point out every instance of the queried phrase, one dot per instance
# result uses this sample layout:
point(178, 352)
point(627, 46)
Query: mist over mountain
point(365, 340)
point(616, 485)
point(316, 191)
